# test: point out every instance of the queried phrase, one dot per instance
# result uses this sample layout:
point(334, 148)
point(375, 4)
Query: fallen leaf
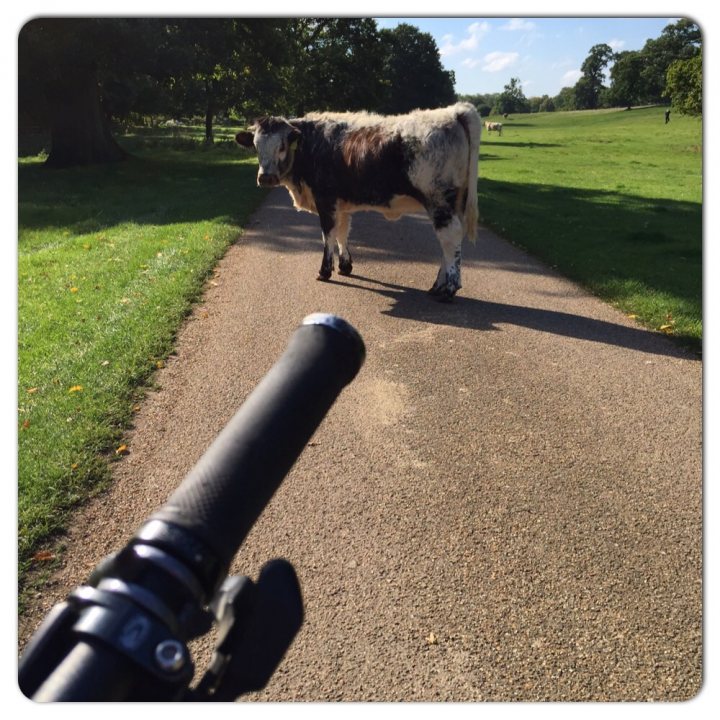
point(32, 390)
point(104, 363)
point(667, 329)
point(75, 388)
point(160, 364)
point(26, 424)
point(431, 639)
point(122, 450)
point(74, 466)
point(73, 289)
point(43, 556)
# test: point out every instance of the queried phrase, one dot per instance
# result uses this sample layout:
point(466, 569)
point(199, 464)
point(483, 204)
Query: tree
point(678, 41)
point(335, 64)
point(588, 87)
point(412, 72)
point(547, 104)
point(512, 99)
point(61, 63)
point(213, 64)
point(627, 86)
point(565, 99)
point(542, 103)
point(684, 85)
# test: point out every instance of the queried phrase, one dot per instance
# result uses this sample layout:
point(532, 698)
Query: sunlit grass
point(110, 260)
point(612, 200)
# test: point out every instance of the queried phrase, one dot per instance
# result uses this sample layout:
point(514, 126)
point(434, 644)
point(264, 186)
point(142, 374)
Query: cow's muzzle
point(267, 180)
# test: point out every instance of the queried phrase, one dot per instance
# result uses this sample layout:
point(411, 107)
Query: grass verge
point(110, 260)
point(613, 200)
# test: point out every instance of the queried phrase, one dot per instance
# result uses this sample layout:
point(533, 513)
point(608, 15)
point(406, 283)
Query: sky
point(545, 53)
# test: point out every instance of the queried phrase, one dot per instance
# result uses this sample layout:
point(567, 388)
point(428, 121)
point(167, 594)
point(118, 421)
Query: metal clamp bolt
point(170, 655)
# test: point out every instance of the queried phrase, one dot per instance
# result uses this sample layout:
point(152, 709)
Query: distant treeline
point(80, 77)
point(667, 70)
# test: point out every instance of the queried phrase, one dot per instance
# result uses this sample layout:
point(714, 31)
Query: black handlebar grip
point(223, 495)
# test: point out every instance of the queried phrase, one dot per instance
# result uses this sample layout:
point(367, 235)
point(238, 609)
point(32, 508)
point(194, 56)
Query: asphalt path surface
point(506, 504)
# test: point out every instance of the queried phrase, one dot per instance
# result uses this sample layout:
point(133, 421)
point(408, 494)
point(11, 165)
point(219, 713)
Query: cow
point(490, 126)
point(336, 164)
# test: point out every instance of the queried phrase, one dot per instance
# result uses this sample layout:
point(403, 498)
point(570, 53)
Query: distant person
point(667, 117)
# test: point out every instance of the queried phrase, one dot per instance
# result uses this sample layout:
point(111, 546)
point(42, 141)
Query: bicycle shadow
point(484, 315)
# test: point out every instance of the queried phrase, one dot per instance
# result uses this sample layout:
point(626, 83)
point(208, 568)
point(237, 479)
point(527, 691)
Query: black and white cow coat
point(335, 164)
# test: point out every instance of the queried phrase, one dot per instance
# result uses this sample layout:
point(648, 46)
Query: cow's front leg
point(326, 267)
point(327, 224)
point(342, 230)
point(449, 231)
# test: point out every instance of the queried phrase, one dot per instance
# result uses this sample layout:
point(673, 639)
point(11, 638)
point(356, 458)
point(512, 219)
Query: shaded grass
point(110, 260)
point(613, 200)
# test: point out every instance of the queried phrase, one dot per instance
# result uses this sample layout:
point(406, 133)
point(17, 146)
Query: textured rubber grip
point(223, 495)
point(88, 673)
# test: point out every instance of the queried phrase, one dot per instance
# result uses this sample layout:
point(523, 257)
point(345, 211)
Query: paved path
point(504, 505)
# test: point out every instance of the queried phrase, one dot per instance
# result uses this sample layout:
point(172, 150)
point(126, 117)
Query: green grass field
point(110, 260)
point(612, 199)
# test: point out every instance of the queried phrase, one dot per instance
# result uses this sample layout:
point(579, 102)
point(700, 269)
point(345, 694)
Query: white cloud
point(475, 33)
point(616, 44)
point(518, 24)
point(496, 61)
point(570, 77)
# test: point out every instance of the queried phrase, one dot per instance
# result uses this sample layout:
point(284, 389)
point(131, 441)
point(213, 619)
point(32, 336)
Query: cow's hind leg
point(449, 231)
point(342, 230)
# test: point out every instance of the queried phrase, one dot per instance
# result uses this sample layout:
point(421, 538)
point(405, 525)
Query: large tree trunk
point(80, 134)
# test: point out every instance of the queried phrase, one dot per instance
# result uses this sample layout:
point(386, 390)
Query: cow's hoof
point(323, 277)
point(345, 268)
point(442, 294)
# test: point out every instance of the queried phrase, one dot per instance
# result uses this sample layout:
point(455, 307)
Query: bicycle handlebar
point(223, 495)
point(123, 636)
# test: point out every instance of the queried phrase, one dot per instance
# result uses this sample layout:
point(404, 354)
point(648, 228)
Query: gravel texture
point(506, 504)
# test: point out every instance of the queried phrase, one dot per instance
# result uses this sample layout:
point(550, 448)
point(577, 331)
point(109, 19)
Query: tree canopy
point(512, 99)
point(684, 85)
point(77, 76)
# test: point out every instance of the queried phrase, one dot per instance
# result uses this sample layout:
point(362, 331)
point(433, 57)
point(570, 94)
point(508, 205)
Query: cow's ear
point(293, 138)
point(245, 139)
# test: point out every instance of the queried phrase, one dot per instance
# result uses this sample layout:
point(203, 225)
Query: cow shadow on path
point(412, 239)
point(484, 315)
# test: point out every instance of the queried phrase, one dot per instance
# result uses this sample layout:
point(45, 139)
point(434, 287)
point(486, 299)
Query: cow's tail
point(470, 121)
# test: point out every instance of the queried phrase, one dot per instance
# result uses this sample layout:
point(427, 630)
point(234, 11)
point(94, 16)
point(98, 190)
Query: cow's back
point(430, 146)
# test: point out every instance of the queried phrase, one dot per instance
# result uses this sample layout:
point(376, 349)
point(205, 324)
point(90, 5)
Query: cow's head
point(276, 141)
